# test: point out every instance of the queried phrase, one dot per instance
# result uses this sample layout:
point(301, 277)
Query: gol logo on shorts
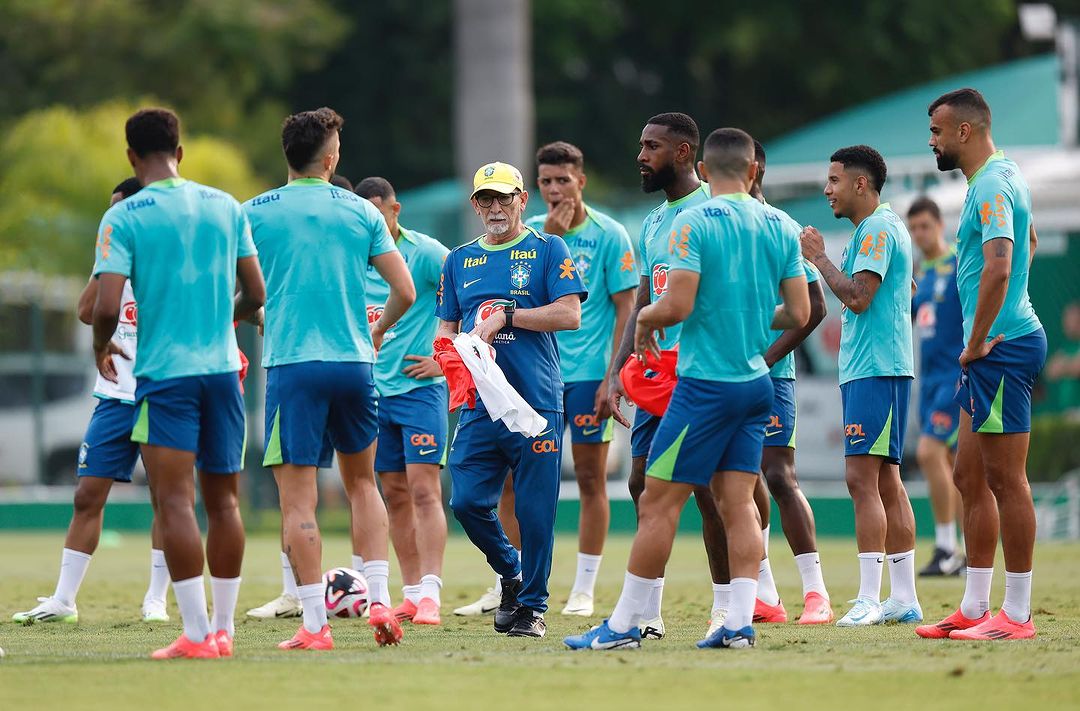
point(586, 421)
point(774, 421)
point(541, 446)
point(423, 440)
point(854, 431)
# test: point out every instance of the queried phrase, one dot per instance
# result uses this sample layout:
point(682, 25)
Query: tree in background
point(59, 167)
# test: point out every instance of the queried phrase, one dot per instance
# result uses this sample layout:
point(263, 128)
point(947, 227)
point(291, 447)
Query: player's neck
point(684, 184)
point(152, 170)
point(726, 187)
point(313, 174)
point(864, 209)
point(395, 231)
point(977, 157)
point(579, 214)
point(937, 251)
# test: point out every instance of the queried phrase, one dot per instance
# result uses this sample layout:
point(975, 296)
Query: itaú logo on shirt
point(659, 279)
point(129, 313)
point(489, 307)
point(374, 312)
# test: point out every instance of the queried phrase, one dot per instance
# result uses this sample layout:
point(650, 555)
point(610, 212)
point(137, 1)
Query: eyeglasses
point(486, 201)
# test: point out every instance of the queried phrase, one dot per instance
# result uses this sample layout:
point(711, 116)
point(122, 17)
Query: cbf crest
point(520, 273)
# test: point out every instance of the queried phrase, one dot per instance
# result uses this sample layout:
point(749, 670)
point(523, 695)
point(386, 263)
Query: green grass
point(101, 663)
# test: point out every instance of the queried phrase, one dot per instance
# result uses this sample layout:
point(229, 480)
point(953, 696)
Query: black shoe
point(527, 623)
point(943, 564)
point(508, 608)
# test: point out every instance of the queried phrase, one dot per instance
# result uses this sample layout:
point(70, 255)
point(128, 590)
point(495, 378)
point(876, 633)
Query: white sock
point(224, 591)
point(765, 539)
point(1017, 603)
point(159, 576)
point(656, 599)
point(411, 593)
point(945, 536)
point(587, 568)
point(498, 584)
point(311, 597)
point(358, 563)
point(902, 577)
point(721, 596)
point(766, 586)
point(430, 586)
point(191, 599)
point(73, 565)
point(377, 573)
point(635, 596)
point(976, 599)
point(288, 580)
point(741, 611)
point(870, 569)
point(810, 571)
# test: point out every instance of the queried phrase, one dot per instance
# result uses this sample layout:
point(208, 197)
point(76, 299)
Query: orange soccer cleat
point(224, 643)
point(769, 613)
point(184, 648)
point(427, 613)
point(955, 621)
point(405, 611)
point(385, 626)
point(817, 610)
point(303, 639)
point(998, 627)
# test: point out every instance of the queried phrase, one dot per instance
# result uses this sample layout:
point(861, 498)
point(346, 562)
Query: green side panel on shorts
point(794, 429)
point(273, 447)
point(243, 450)
point(993, 423)
point(141, 432)
point(951, 441)
point(881, 445)
point(609, 430)
point(664, 466)
point(445, 455)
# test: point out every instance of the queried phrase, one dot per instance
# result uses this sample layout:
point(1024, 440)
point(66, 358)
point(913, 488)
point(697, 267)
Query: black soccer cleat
point(528, 623)
point(944, 564)
point(508, 608)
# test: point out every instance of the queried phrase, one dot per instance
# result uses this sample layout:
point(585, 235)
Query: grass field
point(102, 663)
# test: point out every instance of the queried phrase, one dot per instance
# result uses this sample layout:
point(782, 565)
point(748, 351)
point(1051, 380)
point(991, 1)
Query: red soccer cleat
point(385, 626)
point(817, 610)
point(405, 611)
point(955, 621)
point(184, 648)
point(224, 643)
point(303, 639)
point(427, 613)
point(999, 627)
point(769, 613)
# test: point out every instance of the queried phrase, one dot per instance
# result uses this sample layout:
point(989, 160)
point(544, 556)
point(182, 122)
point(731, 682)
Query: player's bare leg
point(902, 604)
point(224, 551)
point(862, 474)
point(425, 489)
point(590, 468)
point(935, 461)
point(401, 518)
point(370, 533)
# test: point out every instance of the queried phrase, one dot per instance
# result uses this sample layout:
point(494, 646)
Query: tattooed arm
point(855, 292)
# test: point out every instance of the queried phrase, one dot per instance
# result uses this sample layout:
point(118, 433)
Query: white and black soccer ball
point(346, 593)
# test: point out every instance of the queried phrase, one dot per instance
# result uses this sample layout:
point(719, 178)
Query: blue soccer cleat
point(603, 637)
point(893, 611)
point(724, 638)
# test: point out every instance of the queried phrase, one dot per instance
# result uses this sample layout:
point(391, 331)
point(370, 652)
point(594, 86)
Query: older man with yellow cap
point(514, 287)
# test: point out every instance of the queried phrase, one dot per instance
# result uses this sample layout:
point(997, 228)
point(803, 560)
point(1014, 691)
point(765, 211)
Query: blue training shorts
point(939, 415)
point(579, 400)
point(412, 428)
point(780, 432)
point(996, 390)
point(875, 416)
point(317, 407)
point(107, 450)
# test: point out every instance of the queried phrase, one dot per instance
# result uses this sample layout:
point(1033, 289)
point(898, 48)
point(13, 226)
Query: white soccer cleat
point(49, 609)
point(652, 629)
point(285, 605)
point(486, 605)
point(716, 620)
point(580, 604)
point(865, 612)
point(154, 611)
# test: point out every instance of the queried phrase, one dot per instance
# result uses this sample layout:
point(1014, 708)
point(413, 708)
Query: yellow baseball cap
point(500, 177)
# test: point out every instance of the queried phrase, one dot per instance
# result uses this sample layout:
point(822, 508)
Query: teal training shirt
point(742, 250)
point(178, 242)
point(784, 369)
point(315, 242)
point(998, 206)
point(654, 258)
point(414, 332)
point(601, 250)
point(877, 342)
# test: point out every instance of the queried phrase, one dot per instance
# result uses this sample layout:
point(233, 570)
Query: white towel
point(500, 399)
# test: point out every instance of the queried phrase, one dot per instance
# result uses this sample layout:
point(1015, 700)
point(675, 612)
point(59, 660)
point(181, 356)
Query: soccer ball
point(346, 593)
